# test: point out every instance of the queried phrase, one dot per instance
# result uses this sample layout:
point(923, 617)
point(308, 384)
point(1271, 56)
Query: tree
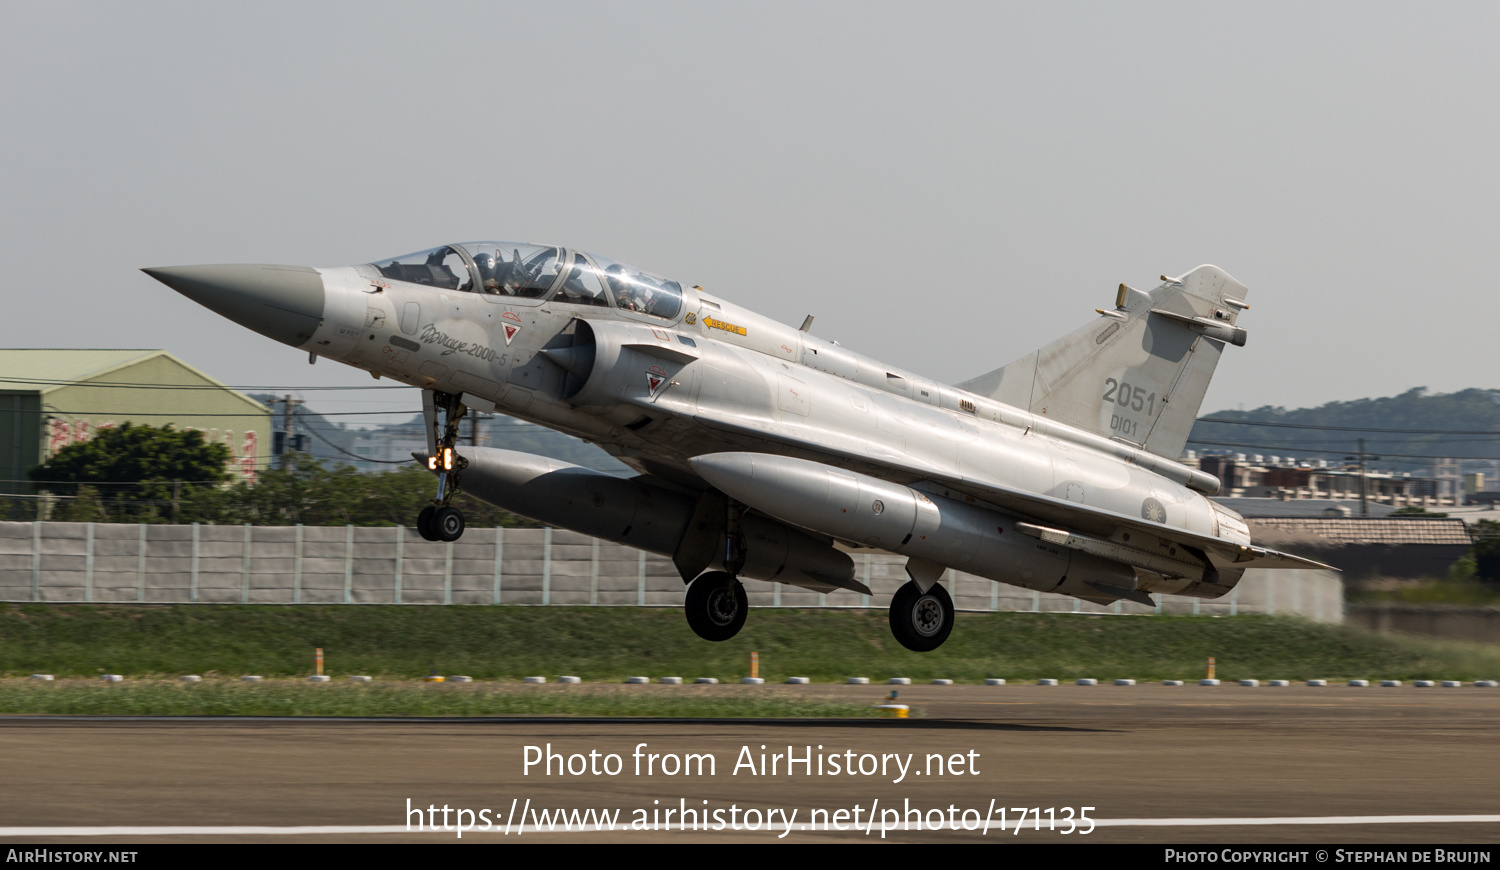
point(312, 494)
point(1415, 511)
point(1486, 552)
point(86, 506)
point(145, 474)
point(140, 471)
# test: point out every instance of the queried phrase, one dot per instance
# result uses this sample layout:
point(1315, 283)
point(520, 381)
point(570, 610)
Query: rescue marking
point(655, 376)
point(513, 327)
point(727, 327)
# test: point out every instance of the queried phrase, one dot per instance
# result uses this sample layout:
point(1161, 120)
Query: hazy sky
point(946, 186)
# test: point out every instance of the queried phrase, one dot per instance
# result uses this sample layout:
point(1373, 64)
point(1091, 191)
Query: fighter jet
point(766, 453)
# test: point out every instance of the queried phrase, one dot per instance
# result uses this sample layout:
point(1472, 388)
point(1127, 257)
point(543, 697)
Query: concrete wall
point(102, 562)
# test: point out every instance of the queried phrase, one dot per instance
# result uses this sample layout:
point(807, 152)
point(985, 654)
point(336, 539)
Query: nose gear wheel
point(424, 523)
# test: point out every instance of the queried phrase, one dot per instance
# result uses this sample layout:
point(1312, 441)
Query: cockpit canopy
point(508, 269)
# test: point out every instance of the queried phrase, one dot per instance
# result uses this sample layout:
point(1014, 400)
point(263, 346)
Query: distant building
point(1256, 477)
point(1307, 508)
point(1448, 475)
point(50, 398)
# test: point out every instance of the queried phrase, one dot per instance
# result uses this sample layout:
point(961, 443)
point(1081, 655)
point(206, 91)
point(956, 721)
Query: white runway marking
point(313, 830)
point(1291, 820)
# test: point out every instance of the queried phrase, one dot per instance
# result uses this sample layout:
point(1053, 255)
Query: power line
point(1299, 449)
point(1491, 432)
point(320, 437)
point(1413, 441)
point(156, 386)
point(97, 483)
point(1495, 433)
point(407, 413)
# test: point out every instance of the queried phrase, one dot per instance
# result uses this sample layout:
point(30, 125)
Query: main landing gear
point(921, 621)
point(440, 521)
point(716, 605)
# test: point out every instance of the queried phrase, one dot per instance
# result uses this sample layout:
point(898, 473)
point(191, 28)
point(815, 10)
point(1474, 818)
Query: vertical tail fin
point(1137, 374)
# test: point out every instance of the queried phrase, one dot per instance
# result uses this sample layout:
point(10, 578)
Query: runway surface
point(1154, 764)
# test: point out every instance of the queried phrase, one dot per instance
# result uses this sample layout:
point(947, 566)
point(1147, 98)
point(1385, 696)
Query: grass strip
point(289, 698)
point(607, 644)
point(1469, 593)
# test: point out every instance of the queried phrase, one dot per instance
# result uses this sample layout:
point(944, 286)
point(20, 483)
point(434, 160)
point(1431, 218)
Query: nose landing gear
point(440, 521)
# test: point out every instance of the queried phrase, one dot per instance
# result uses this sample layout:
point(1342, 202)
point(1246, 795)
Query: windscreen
point(511, 269)
point(643, 292)
point(441, 267)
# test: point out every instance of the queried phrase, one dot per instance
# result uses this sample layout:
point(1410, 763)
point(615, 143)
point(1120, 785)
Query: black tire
point(424, 524)
point(921, 621)
point(448, 524)
point(716, 606)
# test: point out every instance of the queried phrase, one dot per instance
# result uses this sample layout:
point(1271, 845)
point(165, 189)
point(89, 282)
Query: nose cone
point(280, 302)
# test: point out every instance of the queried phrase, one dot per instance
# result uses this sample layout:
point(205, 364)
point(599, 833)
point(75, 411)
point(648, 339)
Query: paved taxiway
point(1133, 752)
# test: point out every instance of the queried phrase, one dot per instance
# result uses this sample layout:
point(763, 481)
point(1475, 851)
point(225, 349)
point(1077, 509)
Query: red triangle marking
point(510, 332)
point(654, 381)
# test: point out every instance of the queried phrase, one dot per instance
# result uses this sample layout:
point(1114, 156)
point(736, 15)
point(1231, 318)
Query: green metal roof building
point(52, 398)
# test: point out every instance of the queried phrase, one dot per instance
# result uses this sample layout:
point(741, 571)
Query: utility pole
point(1364, 499)
point(473, 428)
point(284, 443)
